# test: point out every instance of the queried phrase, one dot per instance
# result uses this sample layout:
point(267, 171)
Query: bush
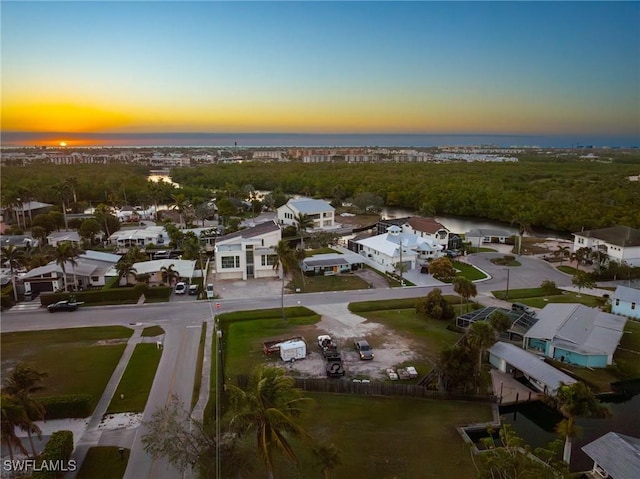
point(58, 450)
point(62, 407)
point(276, 313)
point(6, 300)
point(385, 304)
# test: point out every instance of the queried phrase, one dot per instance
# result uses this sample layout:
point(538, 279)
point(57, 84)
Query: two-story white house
point(396, 247)
point(619, 243)
point(427, 228)
point(321, 213)
point(248, 253)
point(626, 301)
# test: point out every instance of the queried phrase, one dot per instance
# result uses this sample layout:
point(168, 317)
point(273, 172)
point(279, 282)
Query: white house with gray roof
point(185, 269)
point(390, 249)
point(482, 236)
point(248, 253)
point(619, 243)
point(626, 301)
point(576, 334)
point(321, 213)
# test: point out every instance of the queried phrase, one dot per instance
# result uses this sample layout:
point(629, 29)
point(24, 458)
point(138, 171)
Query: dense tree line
point(563, 196)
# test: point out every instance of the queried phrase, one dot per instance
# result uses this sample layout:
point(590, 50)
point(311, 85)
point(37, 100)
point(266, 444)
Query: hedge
point(384, 304)
point(62, 407)
point(106, 295)
point(56, 454)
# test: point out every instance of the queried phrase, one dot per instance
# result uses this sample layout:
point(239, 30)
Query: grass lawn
point(567, 269)
point(78, 360)
point(468, 271)
point(341, 282)
point(198, 375)
point(152, 331)
point(385, 438)
point(103, 462)
point(535, 297)
point(243, 340)
point(321, 251)
point(137, 380)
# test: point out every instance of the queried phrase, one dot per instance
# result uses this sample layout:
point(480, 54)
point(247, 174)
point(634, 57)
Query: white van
point(162, 254)
point(210, 294)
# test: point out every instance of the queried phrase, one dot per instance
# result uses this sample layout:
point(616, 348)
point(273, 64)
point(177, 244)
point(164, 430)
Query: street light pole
point(507, 298)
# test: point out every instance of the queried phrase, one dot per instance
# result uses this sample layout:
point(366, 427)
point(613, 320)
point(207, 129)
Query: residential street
point(182, 323)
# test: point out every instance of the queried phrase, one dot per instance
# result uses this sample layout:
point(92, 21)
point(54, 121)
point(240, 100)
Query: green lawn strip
point(385, 437)
point(319, 284)
point(103, 462)
point(627, 356)
point(137, 379)
point(567, 269)
point(468, 271)
point(362, 306)
point(152, 331)
point(197, 382)
point(77, 360)
point(321, 251)
point(535, 297)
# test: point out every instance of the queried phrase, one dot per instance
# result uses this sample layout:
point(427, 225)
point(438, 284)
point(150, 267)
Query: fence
point(374, 388)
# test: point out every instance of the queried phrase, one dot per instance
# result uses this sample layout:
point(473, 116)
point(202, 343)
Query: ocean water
point(9, 138)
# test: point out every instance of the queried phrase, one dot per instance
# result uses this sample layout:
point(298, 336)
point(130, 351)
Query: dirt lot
point(390, 348)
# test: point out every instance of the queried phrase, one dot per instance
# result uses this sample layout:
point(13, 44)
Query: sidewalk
point(92, 433)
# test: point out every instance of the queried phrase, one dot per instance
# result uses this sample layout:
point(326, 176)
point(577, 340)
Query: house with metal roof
point(615, 456)
point(478, 237)
point(248, 253)
point(140, 237)
point(619, 243)
point(517, 362)
point(626, 301)
point(186, 270)
point(90, 271)
point(331, 263)
point(576, 334)
point(319, 211)
point(396, 247)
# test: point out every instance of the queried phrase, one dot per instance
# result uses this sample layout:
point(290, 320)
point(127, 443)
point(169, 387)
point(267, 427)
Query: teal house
point(576, 334)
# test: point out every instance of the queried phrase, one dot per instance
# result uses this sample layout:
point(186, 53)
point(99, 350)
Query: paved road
point(182, 322)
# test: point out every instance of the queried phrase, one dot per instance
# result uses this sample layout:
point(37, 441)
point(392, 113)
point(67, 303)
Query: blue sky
point(334, 67)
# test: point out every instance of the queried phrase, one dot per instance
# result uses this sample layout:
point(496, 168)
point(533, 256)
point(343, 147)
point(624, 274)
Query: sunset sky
point(336, 67)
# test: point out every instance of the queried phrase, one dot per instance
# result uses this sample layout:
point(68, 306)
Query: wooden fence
point(375, 388)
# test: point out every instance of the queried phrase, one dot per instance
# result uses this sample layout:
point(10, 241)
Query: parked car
point(522, 308)
point(193, 289)
point(364, 350)
point(64, 305)
point(210, 294)
point(451, 253)
point(181, 288)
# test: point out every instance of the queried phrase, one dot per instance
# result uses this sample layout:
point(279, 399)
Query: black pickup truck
point(333, 365)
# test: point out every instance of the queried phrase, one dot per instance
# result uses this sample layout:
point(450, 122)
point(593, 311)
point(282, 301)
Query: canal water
point(535, 423)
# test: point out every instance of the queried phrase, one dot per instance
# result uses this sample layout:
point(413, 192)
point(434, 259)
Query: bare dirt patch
point(390, 348)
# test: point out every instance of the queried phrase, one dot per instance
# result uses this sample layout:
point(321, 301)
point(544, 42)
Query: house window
point(617, 302)
point(633, 305)
point(95, 279)
point(269, 259)
point(230, 262)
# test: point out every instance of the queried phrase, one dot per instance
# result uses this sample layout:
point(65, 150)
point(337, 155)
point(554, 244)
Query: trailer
point(292, 350)
point(270, 347)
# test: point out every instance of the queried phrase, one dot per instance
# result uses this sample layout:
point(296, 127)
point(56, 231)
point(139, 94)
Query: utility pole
point(507, 298)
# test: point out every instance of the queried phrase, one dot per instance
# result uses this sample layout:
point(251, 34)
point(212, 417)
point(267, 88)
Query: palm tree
point(562, 252)
point(101, 212)
point(270, 409)
point(125, 269)
point(524, 226)
point(283, 262)
point(15, 258)
point(62, 191)
point(299, 255)
point(180, 204)
point(303, 222)
point(573, 401)
point(580, 255)
point(480, 336)
point(12, 415)
point(64, 253)
point(73, 184)
point(169, 275)
point(20, 384)
point(465, 288)
point(328, 457)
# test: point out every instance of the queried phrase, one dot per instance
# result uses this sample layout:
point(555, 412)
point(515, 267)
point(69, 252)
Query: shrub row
point(107, 295)
point(56, 453)
point(72, 405)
